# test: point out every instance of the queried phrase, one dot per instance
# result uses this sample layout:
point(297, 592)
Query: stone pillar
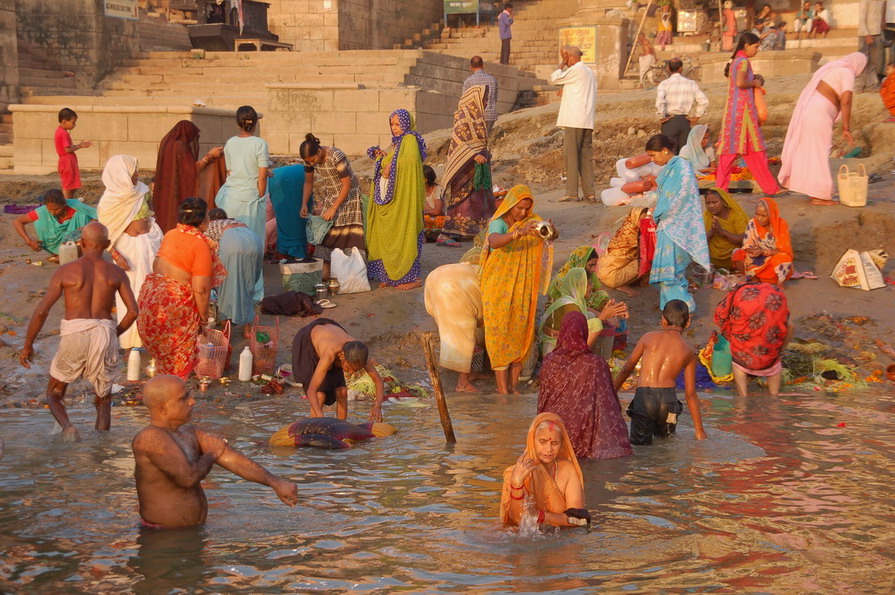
point(610, 45)
point(9, 55)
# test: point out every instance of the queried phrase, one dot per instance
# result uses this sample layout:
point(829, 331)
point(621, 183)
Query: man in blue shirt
point(505, 20)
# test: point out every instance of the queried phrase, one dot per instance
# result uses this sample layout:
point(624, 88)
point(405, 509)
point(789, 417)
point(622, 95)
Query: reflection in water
point(782, 497)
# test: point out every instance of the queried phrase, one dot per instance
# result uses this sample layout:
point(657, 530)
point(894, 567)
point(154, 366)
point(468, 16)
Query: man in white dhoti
point(88, 346)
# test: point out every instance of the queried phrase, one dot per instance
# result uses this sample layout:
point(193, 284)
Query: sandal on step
point(568, 198)
point(325, 304)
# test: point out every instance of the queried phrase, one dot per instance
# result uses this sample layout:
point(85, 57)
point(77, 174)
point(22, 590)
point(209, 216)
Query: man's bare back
point(664, 355)
point(89, 286)
point(328, 340)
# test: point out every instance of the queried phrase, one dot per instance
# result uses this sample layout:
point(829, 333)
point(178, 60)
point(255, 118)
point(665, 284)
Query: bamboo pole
point(639, 29)
point(429, 346)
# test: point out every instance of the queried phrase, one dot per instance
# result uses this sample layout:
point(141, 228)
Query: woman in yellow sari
point(516, 263)
point(725, 227)
point(546, 482)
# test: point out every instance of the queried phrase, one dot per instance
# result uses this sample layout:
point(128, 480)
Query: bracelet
point(512, 487)
point(512, 497)
point(541, 516)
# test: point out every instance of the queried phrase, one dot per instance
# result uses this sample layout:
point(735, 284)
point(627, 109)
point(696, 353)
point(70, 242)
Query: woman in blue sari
point(243, 194)
point(680, 233)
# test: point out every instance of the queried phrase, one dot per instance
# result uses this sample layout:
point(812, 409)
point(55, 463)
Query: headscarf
point(176, 177)
point(122, 199)
point(775, 235)
point(855, 62)
point(539, 483)
point(693, 150)
point(579, 258)
point(469, 135)
point(728, 199)
point(408, 126)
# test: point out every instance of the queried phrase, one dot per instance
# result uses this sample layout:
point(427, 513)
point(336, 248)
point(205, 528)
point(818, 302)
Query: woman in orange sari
point(546, 483)
point(766, 254)
point(516, 263)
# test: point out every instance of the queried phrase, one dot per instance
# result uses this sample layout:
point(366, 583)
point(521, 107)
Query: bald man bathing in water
point(173, 458)
point(89, 337)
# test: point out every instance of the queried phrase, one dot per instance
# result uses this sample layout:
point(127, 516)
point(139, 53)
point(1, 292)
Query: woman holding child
point(468, 197)
point(680, 235)
point(395, 213)
point(516, 263)
point(546, 475)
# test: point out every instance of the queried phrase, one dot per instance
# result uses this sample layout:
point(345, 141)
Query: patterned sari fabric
point(680, 232)
point(395, 213)
point(578, 258)
point(620, 265)
point(754, 318)
point(720, 248)
point(169, 324)
point(572, 292)
point(467, 208)
point(347, 231)
point(768, 269)
point(740, 131)
point(539, 484)
point(511, 279)
point(577, 386)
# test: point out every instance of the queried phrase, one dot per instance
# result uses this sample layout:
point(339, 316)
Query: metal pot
point(334, 286)
point(321, 290)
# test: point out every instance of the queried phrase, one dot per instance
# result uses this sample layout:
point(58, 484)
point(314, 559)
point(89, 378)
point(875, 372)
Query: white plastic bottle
point(245, 365)
point(133, 366)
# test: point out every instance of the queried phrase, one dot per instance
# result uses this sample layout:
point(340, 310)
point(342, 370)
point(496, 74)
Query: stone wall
point(77, 35)
point(9, 57)
point(114, 130)
point(350, 117)
point(315, 25)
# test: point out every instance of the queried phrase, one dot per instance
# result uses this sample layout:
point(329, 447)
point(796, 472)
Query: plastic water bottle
point(133, 366)
point(245, 365)
point(68, 252)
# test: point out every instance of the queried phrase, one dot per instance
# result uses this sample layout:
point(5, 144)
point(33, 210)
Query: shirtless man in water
point(89, 337)
point(322, 353)
point(655, 407)
point(173, 458)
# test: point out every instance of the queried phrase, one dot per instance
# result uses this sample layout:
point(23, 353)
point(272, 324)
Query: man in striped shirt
point(674, 102)
point(480, 77)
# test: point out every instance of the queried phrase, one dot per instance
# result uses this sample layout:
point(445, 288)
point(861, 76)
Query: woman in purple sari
point(577, 385)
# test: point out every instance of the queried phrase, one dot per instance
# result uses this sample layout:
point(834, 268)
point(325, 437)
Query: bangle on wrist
point(541, 516)
point(512, 497)
point(512, 487)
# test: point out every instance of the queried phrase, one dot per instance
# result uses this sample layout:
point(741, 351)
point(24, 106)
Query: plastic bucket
point(722, 362)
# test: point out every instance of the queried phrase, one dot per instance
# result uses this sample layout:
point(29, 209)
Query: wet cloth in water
point(88, 347)
point(305, 360)
point(649, 413)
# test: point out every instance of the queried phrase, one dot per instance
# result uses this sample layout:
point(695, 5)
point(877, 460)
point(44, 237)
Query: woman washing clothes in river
point(395, 214)
point(337, 198)
point(516, 262)
point(546, 483)
point(134, 235)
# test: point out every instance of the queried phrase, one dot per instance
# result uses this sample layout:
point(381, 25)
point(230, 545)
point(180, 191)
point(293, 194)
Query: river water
point(793, 494)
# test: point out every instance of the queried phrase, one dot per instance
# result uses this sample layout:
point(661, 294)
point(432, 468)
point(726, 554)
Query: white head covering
point(122, 199)
point(693, 151)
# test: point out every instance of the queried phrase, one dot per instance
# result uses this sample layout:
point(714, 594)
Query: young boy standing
point(68, 168)
point(655, 407)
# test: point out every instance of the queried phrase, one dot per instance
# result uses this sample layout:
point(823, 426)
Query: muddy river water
point(793, 494)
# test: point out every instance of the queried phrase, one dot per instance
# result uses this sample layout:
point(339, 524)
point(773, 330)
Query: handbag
point(351, 271)
point(852, 186)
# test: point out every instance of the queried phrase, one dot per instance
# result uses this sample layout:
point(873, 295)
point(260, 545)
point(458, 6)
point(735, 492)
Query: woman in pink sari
point(826, 100)
point(740, 130)
point(577, 386)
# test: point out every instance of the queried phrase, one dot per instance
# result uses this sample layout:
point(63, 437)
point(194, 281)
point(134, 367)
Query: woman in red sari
point(178, 168)
point(174, 298)
point(577, 386)
point(740, 129)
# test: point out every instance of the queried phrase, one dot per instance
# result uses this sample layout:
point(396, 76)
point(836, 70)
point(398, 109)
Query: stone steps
point(6, 155)
point(158, 34)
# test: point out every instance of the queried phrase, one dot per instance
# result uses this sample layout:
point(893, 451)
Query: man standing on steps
point(481, 78)
point(871, 19)
point(576, 116)
point(674, 101)
point(505, 20)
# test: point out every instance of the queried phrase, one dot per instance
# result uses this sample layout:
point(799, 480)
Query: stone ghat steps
point(158, 34)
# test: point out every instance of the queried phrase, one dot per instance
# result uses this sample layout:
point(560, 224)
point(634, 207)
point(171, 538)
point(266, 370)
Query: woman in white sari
point(134, 235)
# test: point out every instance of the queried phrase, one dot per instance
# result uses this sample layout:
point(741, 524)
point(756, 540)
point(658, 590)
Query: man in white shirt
point(576, 116)
point(871, 15)
point(674, 102)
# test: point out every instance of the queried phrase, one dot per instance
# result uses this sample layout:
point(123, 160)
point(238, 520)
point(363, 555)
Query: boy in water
point(655, 407)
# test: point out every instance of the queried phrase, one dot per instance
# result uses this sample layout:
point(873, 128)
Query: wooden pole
point(429, 346)
point(639, 29)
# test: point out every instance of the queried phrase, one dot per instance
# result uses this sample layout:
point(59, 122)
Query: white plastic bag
point(350, 270)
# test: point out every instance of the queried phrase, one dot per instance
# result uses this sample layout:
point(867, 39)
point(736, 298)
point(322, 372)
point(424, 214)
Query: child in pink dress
point(69, 172)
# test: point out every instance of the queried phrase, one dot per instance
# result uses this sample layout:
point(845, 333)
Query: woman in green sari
point(584, 257)
point(395, 215)
point(573, 293)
